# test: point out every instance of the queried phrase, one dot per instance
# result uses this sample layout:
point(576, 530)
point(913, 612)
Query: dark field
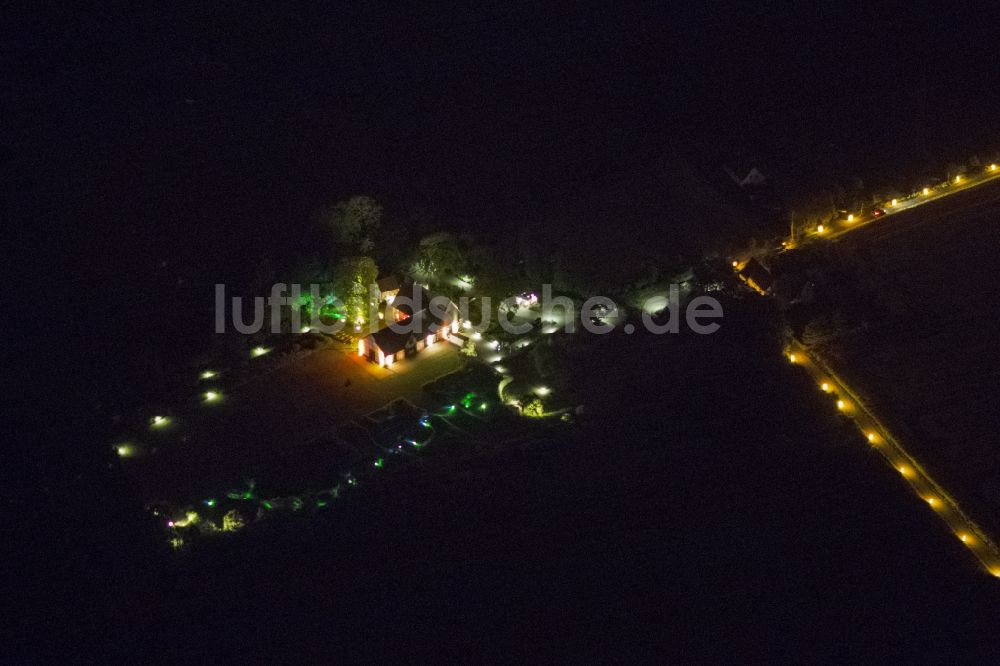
point(709, 506)
point(929, 365)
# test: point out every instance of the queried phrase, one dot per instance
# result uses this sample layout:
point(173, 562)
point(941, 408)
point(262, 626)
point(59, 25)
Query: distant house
point(417, 319)
point(756, 276)
point(746, 176)
point(749, 178)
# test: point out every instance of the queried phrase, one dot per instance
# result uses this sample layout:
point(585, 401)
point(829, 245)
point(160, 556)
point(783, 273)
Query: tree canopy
point(354, 222)
point(534, 408)
point(469, 349)
point(440, 255)
point(354, 277)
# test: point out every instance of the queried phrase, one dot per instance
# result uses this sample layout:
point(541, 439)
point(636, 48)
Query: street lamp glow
point(841, 405)
point(212, 396)
point(993, 167)
point(893, 202)
point(542, 390)
point(792, 358)
point(904, 470)
point(926, 191)
point(258, 351)
point(872, 437)
point(820, 229)
point(850, 217)
point(207, 374)
point(958, 179)
point(965, 538)
point(825, 387)
point(735, 264)
point(306, 329)
point(125, 450)
point(932, 501)
point(477, 336)
point(159, 421)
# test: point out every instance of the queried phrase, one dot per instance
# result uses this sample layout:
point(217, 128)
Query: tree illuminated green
point(355, 276)
point(232, 521)
point(534, 408)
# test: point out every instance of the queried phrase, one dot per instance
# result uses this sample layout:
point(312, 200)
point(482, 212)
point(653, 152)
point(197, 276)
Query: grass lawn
point(286, 419)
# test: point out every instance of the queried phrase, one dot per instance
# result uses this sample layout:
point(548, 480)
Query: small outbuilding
point(756, 276)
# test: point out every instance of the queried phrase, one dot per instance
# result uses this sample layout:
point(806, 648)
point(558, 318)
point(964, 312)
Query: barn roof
point(389, 283)
point(389, 340)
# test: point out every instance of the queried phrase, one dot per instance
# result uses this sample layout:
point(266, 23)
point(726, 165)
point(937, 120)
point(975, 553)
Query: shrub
point(534, 408)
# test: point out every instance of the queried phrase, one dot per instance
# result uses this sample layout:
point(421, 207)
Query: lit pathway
point(841, 397)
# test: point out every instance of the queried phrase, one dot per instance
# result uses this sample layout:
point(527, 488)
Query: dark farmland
point(928, 364)
point(710, 506)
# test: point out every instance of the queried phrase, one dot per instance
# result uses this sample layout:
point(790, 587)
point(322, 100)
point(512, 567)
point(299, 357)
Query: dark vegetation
point(150, 154)
point(733, 516)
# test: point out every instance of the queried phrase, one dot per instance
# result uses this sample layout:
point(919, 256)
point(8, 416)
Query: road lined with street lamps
point(847, 402)
point(957, 184)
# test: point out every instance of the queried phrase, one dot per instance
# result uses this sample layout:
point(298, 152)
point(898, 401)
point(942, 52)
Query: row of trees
point(807, 207)
point(353, 226)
